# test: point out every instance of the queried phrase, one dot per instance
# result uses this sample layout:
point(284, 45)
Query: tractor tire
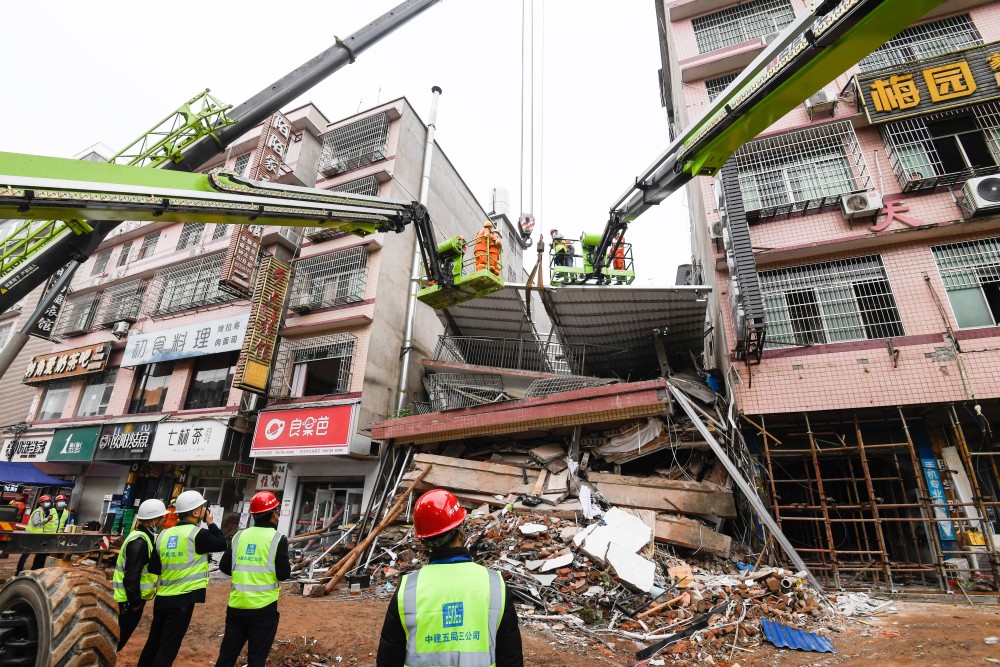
point(61, 617)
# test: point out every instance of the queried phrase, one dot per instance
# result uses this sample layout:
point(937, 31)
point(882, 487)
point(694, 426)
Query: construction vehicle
point(809, 53)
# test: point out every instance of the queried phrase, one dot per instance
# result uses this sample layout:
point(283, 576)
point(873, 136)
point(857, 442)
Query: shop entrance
point(320, 500)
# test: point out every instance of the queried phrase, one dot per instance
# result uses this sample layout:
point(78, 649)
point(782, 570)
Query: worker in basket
point(619, 253)
point(62, 515)
point(560, 249)
point(257, 559)
point(39, 521)
point(486, 248)
point(132, 581)
point(452, 612)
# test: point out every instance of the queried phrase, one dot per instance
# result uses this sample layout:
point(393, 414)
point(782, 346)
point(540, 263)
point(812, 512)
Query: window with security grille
point(923, 41)
point(355, 145)
point(803, 170)
point(190, 234)
point(944, 148)
point(125, 252)
point(313, 366)
point(970, 271)
point(241, 164)
point(77, 315)
point(717, 85)
point(220, 231)
point(330, 279)
point(361, 186)
point(101, 263)
point(121, 303)
point(830, 302)
point(148, 246)
point(186, 285)
point(741, 23)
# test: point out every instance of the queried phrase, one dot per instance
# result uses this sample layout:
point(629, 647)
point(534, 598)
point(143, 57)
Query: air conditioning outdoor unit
point(716, 229)
point(821, 104)
point(861, 205)
point(982, 195)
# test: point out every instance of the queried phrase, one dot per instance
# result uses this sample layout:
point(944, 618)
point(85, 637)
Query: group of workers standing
point(44, 519)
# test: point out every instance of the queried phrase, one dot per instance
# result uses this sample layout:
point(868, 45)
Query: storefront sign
point(243, 470)
point(273, 481)
point(74, 444)
point(200, 440)
point(934, 84)
point(126, 442)
point(27, 448)
point(270, 290)
point(935, 488)
point(324, 430)
point(47, 322)
point(68, 363)
point(191, 340)
point(275, 136)
point(241, 260)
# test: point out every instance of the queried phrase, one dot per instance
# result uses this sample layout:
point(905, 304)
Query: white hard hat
point(189, 500)
point(151, 509)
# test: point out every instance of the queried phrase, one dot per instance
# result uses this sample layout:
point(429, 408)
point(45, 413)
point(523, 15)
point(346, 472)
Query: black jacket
point(206, 541)
point(282, 569)
point(136, 557)
point(392, 643)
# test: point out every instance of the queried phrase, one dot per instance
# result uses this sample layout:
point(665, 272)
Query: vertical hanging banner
point(244, 244)
point(269, 293)
point(47, 322)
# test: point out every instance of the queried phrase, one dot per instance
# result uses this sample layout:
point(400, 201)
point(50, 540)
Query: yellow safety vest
point(147, 581)
point(62, 518)
point(255, 583)
point(38, 517)
point(450, 614)
point(183, 569)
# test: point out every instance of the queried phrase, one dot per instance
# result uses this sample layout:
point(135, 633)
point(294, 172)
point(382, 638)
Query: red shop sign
point(324, 430)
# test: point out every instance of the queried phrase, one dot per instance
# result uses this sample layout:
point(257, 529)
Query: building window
point(830, 302)
point(148, 246)
point(944, 148)
point(121, 303)
point(6, 329)
point(77, 315)
point(716, 86)
point(211, 380)
point(330, 279)
point(101, 263)
point(970, 272)
point(220, 231)
point(800, 171)
point(241, 164)
point(313, 366)
point(741, 23)
point(361, 186)
point(190, 234)
point(924, 41)
point(123, 255)
point(97, 394)
point(188, 285)
point(355, 145)
point(54, 402)
point(151, 382)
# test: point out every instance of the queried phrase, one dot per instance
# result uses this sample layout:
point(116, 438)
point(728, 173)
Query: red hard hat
point(44, 499)
point(62, 498)
point(437, 512)
point(264, 501)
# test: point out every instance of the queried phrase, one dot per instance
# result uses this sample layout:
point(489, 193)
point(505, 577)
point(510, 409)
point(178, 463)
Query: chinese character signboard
point(74, 444)
point(240, 261)
point(27, 448)
point(126, 442)
point(191, 340)
point(270, 290)
point(47, 322)
point(275, 137)
point(930, 85)
point(935, 488)
point(274, 480)
point(200, 440)
point(68, 363)
point(325, 430)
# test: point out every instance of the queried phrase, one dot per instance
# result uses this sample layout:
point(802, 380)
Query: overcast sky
point(78, 73)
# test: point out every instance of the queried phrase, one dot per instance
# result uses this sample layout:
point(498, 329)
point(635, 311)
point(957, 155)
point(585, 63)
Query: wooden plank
point(691, 534)
point(699, 502)
point(540, 484)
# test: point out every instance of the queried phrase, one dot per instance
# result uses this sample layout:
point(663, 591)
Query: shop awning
point(27, 473)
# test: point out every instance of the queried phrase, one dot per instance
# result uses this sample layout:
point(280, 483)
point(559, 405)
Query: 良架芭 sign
point(323, 430)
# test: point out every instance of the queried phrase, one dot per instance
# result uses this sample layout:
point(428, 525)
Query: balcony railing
point(513, 354)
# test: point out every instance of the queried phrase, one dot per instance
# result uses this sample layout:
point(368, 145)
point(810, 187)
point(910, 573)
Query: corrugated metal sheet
point(497, 315)
point(784, 636)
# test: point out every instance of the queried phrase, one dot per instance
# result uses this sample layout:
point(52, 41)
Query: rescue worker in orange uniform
point(487, 248)
point(619, 260)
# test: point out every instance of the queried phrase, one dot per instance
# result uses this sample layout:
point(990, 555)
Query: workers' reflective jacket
point(255, 583)
point(450, 614)
point(183, 569)
point(36, 522)
point(147, 581)
point(59, 523)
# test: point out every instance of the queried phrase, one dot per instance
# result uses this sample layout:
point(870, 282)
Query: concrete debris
point(556, 562)
point(533, 528)
point(860, 604)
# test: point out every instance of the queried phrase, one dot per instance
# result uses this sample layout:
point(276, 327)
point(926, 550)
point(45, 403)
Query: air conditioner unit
point(982, 195)
point(716, 229)
point(861, 205)
point(821, 104)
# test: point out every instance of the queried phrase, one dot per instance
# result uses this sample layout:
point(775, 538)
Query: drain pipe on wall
point(411, 302)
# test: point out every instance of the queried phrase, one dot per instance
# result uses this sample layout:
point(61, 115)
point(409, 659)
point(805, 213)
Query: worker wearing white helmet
point(133, 583)
point(181, 560)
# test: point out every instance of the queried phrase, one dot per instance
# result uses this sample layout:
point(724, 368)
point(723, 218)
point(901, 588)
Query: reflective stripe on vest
point(255, 583)
point(39, 516)
point(183, 569)
point(62, 518)
point(147, 581)
point(450, 614)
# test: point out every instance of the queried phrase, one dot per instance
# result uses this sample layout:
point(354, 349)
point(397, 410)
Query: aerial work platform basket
point(466, 278)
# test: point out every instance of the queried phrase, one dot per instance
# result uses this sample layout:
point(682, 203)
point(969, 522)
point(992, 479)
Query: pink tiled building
point(859, 238)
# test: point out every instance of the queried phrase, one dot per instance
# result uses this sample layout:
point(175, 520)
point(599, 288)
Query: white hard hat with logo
point(188, 501)
point(151, 509)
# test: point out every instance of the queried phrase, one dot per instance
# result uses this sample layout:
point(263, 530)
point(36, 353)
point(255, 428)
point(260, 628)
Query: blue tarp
point(27, 473)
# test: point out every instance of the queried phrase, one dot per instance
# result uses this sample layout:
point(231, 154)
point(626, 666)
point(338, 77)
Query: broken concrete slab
point(630, 567)
point(617, 527)
point(665, 495)
point(556, 562)
point(567, 533)
point(691, 534)
point(533, 528)
point(544, 579)
point(546, 453)
point(534, 564)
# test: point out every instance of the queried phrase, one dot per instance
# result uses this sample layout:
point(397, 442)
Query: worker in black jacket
point(133, 583)
point(452, 607)
point(257, 559)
